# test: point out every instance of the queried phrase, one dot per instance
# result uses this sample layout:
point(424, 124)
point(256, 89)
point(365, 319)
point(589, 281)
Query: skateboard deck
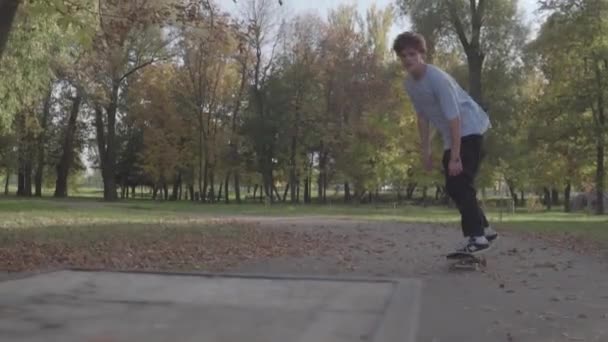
point(466, 260)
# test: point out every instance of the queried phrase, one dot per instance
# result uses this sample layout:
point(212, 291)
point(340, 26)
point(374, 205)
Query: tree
point(262, 37)
point(41, 140)
point(65, 162)
point(206, 78)
point(128, 42)
point(574, 58)
point(299, 64)
point(155, 112)
point(7, 158)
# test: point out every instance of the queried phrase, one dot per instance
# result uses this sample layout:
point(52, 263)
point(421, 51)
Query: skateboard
point(466, 260)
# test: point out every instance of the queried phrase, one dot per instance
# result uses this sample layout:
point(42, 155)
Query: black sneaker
point(475, 245)
point(490, 234)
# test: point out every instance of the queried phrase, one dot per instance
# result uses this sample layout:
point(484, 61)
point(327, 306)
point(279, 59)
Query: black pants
point(462, 189)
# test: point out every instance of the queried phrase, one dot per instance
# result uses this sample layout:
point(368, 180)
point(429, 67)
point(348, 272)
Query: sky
point(322, 6)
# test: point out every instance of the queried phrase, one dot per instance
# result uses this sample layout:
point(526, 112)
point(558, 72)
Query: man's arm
point(446, 93)
point(455, 133)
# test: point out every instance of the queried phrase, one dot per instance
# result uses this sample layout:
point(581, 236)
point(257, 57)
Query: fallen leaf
point(571, 338)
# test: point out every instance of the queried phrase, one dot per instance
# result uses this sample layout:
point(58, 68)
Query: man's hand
point(455, 167)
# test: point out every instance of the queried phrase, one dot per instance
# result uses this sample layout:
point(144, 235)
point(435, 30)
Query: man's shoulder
point(436, 73)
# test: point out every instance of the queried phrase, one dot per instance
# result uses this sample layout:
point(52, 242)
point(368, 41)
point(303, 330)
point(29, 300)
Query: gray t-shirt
point(439, 98)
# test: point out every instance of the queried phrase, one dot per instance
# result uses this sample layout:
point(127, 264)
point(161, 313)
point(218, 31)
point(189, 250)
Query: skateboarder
point(462, 123)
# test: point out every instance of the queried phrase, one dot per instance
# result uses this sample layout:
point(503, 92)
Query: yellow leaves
point(155, 112)
point(176, 244)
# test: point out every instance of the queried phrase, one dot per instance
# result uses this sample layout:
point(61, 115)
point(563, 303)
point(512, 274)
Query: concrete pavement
point(104, 306)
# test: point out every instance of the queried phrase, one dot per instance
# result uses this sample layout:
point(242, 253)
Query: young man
point(440, 101)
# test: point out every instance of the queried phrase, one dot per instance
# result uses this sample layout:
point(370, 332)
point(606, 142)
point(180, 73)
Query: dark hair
point(409, 40)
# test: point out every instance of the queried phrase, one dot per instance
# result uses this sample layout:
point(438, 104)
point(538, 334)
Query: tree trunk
point(205, 180)
point(475, 62)
point(227, 189)
point(106, 143)
point(601, 142)
point(176, 187)
point(233, 144)
point(347, 195)
point(547, 198)
point(154, 192)
point(554, 196)
point(110, 164)
point(310, 189)
point(211, 184)
point(437, 192)
point(292, 173)
point(472, 46)
point(7, 181)
point(8, 9)
point(567, 207)
point(399, 195)
point(165, 191)
point(325, 183)
point(191, 190)
point(25, 179)
point(237, 186)
point(322, 175)
point(42, 142)
point(411, 188)
point(600, 176)
point(255, 191)
point(267, 176)
point(306, 190)
point(219, 193)
point(309, 182)
point(202, 165)
point(67, 156)
point(24, 157)
point(20, 181)
point(262, 194)
point(511, 186)
point(285, 192)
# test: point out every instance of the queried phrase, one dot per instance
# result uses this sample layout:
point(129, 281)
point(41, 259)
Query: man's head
point(411, 48)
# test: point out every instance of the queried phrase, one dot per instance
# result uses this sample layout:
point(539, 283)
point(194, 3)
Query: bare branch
point(141, 66)
point(453, 11)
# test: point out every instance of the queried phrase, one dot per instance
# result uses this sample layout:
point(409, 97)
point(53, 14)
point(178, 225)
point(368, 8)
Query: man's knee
point(454, 186)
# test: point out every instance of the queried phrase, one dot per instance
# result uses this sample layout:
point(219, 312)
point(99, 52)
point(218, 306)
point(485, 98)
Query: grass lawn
point(32, 213)
point(143, 234)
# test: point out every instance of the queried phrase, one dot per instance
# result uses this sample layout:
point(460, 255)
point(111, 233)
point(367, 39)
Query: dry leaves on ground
point(151, 247)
